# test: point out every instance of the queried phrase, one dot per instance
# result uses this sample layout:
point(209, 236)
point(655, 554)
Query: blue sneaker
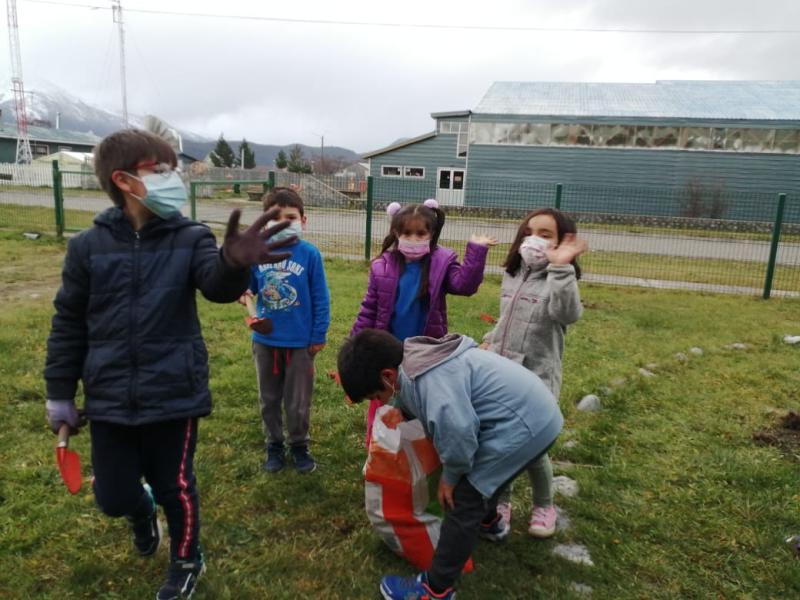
point(303, 461)
point(146, 530)
point(412, 588)
point(496, 530)
point(276, 458)
point(181, 579)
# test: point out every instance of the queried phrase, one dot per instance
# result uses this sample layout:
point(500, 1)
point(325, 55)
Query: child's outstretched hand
point(483, 240)
point(569, 248)
point(252, 246)
point(313, 349)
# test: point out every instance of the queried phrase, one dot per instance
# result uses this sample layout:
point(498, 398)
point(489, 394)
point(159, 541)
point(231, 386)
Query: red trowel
point(68, 461)
point(262, 325)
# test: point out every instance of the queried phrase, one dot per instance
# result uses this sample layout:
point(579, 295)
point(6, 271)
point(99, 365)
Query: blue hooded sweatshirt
point(488, 416)
point(294, 294)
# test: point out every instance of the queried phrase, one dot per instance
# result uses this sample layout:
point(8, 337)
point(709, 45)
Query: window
point(613, 135)
point(40, 149)
point(414, 172)
point(665, 137)
point(451, 126)
point(64, 148)
point(387, 171)
point(462, 142)
point(787, 141)
point(696, 138)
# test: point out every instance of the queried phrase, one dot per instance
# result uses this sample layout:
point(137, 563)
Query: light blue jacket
point(488, 416)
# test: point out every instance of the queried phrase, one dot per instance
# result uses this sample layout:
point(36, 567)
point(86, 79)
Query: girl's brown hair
point(564, 225)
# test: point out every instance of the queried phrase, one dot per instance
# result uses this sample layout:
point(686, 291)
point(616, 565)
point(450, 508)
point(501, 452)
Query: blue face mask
point(295, 229)
point(165, 195)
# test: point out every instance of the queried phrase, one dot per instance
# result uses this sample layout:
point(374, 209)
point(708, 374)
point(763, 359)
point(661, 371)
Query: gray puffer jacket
point(535, 308)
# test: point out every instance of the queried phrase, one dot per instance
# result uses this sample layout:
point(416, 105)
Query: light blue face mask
point(165, 195)
point(295, 229)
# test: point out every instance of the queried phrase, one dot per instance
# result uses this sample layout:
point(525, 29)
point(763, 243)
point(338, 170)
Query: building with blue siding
point(604, 140)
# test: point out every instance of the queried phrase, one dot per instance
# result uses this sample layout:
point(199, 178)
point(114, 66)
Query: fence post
point(558, 196)
point(58, 200)
point(193, 199)
point(368, 238)
point(773, 248)
point(270, 185)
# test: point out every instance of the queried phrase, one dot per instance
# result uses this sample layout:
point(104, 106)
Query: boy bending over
point(488, 417)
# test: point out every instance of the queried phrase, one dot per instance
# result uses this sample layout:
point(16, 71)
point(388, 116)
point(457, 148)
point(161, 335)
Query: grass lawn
point(676, 500)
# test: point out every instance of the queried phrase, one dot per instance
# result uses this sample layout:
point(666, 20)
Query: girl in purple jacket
point(409, 280)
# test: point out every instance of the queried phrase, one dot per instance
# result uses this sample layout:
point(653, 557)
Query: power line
point(434, 25)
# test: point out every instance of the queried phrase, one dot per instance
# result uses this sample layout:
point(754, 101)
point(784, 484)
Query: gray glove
point(63, 411)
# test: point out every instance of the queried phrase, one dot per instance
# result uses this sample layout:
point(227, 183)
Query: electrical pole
point(24, 155)
point(117, 15)
point(321, 150)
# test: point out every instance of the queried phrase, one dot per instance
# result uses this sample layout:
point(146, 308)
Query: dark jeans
point(459, 533)
point(162, 453)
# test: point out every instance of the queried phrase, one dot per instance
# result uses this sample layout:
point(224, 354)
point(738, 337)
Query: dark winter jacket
point(446, 276)
point(126, 319)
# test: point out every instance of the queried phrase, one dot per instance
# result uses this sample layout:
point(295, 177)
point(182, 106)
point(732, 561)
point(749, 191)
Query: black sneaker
point(303, 461)
point(276, 458)
point(146, 530)
point(181, 579)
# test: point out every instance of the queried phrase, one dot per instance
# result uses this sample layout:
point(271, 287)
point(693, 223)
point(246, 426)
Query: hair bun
point(392, 209)
point(431, 203)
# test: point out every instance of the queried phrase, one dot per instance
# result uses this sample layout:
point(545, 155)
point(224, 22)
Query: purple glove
point(62, 411)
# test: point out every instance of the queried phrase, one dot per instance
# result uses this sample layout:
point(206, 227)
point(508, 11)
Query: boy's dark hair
point(284, 196)
point(122, 151)
point(434, 221)
point(361, 359)
point(564, 225)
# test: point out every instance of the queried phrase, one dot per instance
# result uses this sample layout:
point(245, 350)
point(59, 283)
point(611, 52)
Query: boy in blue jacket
point(293, 294)
point(488, 417)
point(126, 325)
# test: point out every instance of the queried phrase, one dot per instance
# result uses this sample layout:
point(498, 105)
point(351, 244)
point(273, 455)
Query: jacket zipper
point(511, 310)
point(132, 325)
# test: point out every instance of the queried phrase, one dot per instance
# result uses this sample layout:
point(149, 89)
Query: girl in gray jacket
point(539, 298)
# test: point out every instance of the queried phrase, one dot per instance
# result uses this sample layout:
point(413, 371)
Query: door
point(450, 186)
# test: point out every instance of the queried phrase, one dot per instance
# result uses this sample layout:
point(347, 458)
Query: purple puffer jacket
point(446, 276)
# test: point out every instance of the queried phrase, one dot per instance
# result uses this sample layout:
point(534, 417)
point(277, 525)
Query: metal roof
point(726, 100)
point(46, 134)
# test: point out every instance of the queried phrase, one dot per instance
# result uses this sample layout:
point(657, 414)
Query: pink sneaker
point(504, 510)
point(543, 521)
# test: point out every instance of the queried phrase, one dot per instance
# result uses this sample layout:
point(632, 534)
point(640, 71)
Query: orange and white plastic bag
point(401, 475)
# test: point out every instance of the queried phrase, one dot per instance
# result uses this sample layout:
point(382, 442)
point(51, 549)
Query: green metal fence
point(685, 239)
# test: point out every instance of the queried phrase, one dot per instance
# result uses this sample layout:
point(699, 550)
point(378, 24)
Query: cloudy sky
point(364, 86)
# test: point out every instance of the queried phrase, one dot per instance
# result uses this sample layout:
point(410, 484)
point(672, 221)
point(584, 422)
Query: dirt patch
point(785, 435)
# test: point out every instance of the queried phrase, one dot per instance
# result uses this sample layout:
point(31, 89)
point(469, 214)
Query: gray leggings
point(540, 473)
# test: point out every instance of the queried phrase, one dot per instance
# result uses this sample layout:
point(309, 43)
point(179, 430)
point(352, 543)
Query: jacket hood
point(422, 353)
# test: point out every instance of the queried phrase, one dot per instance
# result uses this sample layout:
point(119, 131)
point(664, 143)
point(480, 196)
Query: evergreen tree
point(297, 162)
point(222, 155)
point(280, 161)
point(248, 154)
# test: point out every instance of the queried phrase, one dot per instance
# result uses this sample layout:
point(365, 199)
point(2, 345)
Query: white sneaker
point(504, 510)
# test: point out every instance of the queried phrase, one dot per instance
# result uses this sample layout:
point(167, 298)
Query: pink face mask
point(413, 250)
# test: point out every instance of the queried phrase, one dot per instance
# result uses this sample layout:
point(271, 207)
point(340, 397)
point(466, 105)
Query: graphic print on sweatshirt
point(276, 291)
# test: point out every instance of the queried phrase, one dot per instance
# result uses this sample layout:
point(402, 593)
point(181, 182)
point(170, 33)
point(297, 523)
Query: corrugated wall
point(432, 154)
point(597, 179)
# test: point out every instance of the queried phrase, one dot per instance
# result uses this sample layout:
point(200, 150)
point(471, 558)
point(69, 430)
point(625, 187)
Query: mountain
point(267, 153)
point(45, 100)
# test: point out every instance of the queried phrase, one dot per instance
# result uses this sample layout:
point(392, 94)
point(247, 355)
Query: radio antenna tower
point(117, 13)
point(23, 141)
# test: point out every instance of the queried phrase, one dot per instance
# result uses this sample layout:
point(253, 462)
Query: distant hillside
point(267, 153)
point(46, 99)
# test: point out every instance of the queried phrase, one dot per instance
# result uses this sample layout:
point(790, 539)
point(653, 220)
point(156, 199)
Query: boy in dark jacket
point(293, 294)
point(126, 325)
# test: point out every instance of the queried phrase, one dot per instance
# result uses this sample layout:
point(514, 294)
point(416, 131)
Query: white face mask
point(533, 250)
point(294, 229)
